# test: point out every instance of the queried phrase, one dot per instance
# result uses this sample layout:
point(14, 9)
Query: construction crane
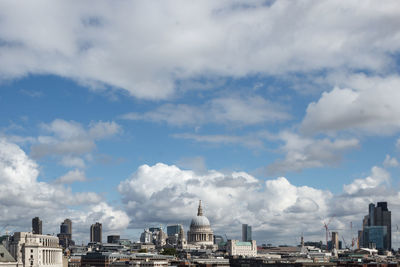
point(344, 242)
point(327, 231)
point(3, 227)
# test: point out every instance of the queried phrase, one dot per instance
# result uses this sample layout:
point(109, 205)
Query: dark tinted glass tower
point(377, 225)
point(96, 232)
point(37, 226)
point(246, 233)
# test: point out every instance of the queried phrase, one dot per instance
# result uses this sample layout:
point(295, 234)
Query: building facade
point(240, 248)
point(173, 230)
point(37, 226)
point(378, 215)
point(200, 232)
point(246, 233)
point(65, 235)
point(96, 232)
point(32, 250)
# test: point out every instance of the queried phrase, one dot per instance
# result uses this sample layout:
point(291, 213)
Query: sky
point(282, 115)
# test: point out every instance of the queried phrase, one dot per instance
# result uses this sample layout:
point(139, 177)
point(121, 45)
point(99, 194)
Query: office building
point(96, 232)
point(33, 250)
point(66, 227)
point(173, 230)
point(37, 226)
point(375, 236)
point(237, 248)
point(377, 227)
point(65, 235)
point(246, 233)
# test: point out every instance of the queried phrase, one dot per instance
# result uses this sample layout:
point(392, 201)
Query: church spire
point(200, 210)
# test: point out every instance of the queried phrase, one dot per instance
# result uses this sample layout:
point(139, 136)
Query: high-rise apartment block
point(246, 233)
point(377, 227)
point(37, 226)
point(96, 232)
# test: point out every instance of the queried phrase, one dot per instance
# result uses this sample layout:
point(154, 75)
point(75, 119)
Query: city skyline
point(275, 114)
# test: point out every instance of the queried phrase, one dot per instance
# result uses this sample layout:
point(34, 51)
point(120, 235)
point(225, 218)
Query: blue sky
point(277, 114)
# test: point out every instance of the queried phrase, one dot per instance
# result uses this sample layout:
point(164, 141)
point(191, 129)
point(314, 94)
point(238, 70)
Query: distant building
point(37, 226)
point(335, 240)
point(377, 227)
point(66, 227)
point(33, 250)
point(246, 233)
point(65, 235)
point(173, 230)
point(331, 245)
point(113, 239)
point(146, 236)
point(96, 232)
point(375, 236)
point(237, 248)
point(218, 239)
point(200, 232)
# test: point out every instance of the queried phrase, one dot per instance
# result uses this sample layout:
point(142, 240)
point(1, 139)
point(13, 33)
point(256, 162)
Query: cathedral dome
point(200, 232)
point(200, 221)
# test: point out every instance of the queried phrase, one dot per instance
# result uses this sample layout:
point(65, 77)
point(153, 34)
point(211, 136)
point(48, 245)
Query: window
point(31, 250)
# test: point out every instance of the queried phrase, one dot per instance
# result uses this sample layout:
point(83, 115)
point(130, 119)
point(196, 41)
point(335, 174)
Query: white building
point(200, 232)
point(32, 250)
point(236, 247)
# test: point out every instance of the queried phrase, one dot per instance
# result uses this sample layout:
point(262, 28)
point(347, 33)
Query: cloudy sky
point(279, 114)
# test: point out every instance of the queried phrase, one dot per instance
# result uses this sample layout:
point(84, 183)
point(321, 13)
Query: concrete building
point(238, 248)
point(378, 215)
point(335, 240)
point(32, 250)
point(246, 233)
point(96, 232)
point(6, 260)
point(37, 226)
point(200, 232)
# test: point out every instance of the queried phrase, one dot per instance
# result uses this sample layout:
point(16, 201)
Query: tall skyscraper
point(246, 233)
point(96, 232)
point(65, 235)
point(377, 227)
point(37, 226)
point(66, 227)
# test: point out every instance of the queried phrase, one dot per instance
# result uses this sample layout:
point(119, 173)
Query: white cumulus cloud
point(150, 47)
point(23, 196)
